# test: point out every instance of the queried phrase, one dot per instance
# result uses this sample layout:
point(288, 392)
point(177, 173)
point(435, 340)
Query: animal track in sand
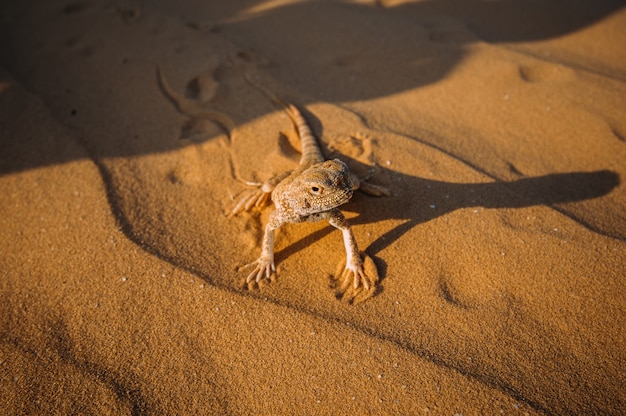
point(188, 171)
point(203, 87)
point(462, 285)
point(357, 146)
point(546, 72)
point(619, 132)
point(450, 295)
point(199, 130)
point(200, 124)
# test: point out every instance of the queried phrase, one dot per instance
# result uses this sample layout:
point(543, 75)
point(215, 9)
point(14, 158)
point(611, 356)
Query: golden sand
point(499, 127)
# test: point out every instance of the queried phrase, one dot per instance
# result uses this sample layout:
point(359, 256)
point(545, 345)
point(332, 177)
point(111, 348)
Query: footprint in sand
point(618, 131)
point(546, 72)
point(357, 146)
point(200, 126)
point(357, 150)
point(203, 87)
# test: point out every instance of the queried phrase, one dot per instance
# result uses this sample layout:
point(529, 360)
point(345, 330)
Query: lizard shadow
point(423, 200)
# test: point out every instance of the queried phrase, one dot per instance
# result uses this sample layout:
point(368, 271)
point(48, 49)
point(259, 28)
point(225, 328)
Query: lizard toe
point(356, 283)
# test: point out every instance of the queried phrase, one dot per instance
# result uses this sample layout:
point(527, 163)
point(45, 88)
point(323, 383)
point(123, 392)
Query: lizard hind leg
point(358, 285)
point(256, 198)
point(369, 188)
point(260, 197)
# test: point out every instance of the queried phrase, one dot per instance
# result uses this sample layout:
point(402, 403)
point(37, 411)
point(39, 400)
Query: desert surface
point(499, 128)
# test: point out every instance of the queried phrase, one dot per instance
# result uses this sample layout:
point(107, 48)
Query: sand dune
point(498, 127)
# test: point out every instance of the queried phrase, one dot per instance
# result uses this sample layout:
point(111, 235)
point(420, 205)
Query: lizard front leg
point(264, 266)
point(355, 283)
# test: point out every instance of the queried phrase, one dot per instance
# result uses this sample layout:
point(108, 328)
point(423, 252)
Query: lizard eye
point(315, 190)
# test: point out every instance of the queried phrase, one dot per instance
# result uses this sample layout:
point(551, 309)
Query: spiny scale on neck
point(311, 152)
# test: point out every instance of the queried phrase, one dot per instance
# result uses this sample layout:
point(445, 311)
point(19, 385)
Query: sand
point(499, 128)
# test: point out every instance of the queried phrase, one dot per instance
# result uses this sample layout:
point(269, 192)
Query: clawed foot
point(264, 269)
point(257, 198)
point(357, 282)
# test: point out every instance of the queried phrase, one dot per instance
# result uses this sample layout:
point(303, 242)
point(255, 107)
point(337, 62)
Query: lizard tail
point(311, 152)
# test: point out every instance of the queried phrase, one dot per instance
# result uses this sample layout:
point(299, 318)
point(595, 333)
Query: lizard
point(312, 192)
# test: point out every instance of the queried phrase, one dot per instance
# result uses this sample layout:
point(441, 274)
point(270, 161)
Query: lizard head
point(321, 187)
